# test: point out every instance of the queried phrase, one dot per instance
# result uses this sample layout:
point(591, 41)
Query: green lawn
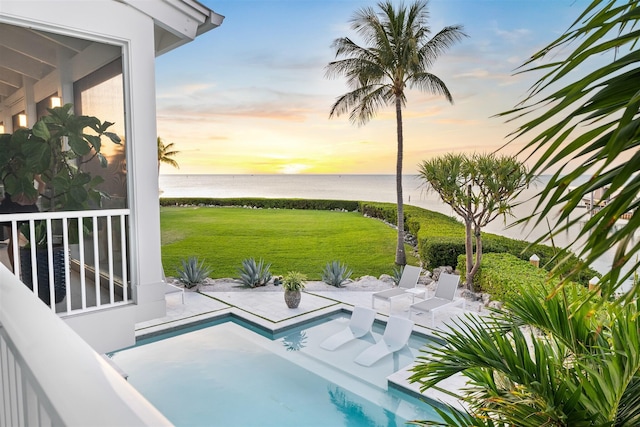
point(302, 240)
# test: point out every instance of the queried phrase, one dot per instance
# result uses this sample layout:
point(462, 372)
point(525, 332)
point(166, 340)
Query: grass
point(301, 240)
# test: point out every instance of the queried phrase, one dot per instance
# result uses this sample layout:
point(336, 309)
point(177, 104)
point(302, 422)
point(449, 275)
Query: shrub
point(254, 274)
point(192, 272)
point(441, 240)
point(293, 281)
point(503, 276)
point(335, 274)
point(255, 202)
point(437, 251)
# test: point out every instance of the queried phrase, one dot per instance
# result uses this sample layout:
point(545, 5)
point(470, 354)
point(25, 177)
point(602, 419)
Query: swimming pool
point(229, 375)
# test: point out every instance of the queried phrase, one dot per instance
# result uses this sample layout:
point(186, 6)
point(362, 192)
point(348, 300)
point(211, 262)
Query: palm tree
point(398, 57)
point(589, 126)
point(165, 154)
point(576, 364)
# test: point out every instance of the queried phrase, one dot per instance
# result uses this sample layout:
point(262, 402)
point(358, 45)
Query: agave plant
point(193, 272)
point(254, 274)
point(397, 274)
point(335, 274)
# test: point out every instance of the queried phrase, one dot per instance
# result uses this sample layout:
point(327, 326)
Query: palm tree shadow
point(295, 341)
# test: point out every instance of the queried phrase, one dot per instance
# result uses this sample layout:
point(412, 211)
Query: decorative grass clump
point(253, 274)
point(335, 274)
point(193, 272)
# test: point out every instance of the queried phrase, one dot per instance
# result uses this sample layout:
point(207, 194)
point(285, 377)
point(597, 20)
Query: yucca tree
point(576, 363)
point(590, 127)
point(166, 154)
point(479, 188)
point(397, 56)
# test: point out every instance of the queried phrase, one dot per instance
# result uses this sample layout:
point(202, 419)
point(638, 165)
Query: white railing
point(50, 376)
point(79, 262)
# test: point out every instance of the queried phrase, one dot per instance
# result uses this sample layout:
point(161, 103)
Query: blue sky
point(251, 95)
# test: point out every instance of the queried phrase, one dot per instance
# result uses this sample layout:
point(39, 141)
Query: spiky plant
point(397, 274)
point(254, 273)
point(193, 272)
point(335, 274)
point(293, 281)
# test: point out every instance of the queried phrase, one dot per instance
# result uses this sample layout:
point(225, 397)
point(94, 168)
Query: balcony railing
point(50, 376)
point(74, 261)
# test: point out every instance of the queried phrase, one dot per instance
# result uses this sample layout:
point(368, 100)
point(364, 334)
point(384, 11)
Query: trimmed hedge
point(503, 276)
point(441, 240)
point(254, 202)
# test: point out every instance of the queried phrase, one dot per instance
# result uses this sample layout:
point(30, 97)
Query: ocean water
point(375, 188)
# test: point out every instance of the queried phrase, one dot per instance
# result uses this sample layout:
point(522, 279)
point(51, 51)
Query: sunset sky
point(251, 96)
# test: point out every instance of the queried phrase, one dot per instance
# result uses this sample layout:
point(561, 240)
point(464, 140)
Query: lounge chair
point(395, 337)
point(444, 296)
point(172, 289)
point(409, 280)
point(359, 325)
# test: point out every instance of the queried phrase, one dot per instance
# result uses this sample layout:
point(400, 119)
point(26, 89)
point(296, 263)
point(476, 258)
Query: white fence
point(50, 377)
point(74, 261)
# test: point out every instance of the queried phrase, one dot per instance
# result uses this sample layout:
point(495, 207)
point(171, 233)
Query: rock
point(470, 295)
point(386, 279)
point(442, 269)
point(425, 279)
point(486, 298)
point(495, 304)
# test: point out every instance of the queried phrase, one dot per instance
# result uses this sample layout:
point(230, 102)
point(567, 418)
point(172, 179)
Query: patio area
point(266, 309)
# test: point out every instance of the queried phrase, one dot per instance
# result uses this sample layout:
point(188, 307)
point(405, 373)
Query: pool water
point(229, 375)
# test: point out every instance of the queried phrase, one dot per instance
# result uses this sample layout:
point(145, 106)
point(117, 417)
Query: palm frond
point(590, 126)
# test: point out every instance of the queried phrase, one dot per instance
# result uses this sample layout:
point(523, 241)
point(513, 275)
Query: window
point(101, 94)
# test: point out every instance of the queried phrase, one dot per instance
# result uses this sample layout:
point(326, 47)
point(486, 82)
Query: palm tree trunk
point(401, 258)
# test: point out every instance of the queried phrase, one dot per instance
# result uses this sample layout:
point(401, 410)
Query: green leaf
point(41, 130)
point(79, 145)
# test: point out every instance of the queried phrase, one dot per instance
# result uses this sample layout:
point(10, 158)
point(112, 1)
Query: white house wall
point(113, 22)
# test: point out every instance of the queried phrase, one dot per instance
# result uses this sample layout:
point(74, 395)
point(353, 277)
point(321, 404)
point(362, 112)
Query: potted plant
point(293, 283)
point(54, 151)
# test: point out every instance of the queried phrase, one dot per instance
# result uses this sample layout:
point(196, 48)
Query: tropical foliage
point(166, 154)
point(193, 272)
point(398, 56)
point(293, 281)
point(479, 188)
point(254, 273)
point(56, 148)
point(336, 273)
point(590, 127)
point(576, 364)
point(555, 357)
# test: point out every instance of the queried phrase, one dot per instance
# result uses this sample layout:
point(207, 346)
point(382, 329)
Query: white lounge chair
point(444, 296)
point(359, 325)
point(395, 337)
point(172, 289)
point(409, 280)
